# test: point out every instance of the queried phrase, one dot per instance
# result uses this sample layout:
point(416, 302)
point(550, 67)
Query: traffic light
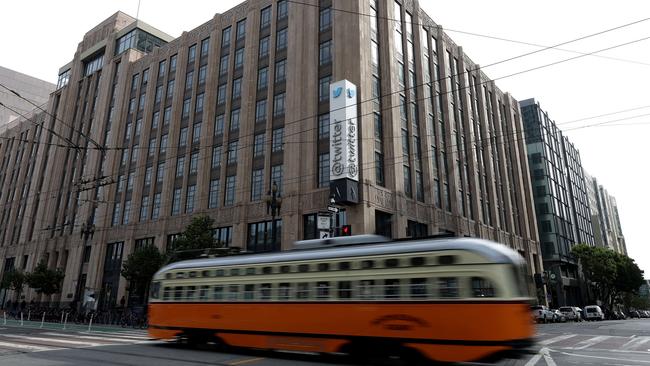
point(346, 230)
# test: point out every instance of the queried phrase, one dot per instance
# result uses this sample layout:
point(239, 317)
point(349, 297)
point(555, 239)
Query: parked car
point(594, 312)
point(542, 314)
point(635, 314)
point(644, 314)
point(558, 317)
point(571, 313)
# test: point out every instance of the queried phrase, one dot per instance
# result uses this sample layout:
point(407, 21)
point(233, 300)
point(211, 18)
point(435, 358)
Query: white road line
point(28, 347)
point(590, 342)
point(55, 340)
point(546, 342)
point(547, 357)
point(635, 342)
point(118, 335)
point(533, 361)
point(97, 338)
point(601, 357)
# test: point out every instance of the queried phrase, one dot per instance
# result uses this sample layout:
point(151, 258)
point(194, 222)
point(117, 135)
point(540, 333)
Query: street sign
point(324, 234)
point(333, 209)
point(323, 222)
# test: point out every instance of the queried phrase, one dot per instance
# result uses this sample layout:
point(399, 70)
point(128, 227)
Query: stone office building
point(604, 217)
point(164, 129)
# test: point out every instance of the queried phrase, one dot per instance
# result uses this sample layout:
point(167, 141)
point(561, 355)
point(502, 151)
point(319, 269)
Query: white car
point(571, 313)
point(542, 314)
point(594, 312)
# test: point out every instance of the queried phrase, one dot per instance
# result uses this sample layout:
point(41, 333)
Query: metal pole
point(29, 315)
point(61, 318)
point(65, 322)
point(5, 318)
point(90, 324)
point(21, 318)
point(43, 320)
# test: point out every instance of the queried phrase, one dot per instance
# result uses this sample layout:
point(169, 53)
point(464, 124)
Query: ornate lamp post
point(273, 204)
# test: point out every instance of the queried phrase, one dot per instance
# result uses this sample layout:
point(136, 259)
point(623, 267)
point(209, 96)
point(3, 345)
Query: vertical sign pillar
point(344, 149)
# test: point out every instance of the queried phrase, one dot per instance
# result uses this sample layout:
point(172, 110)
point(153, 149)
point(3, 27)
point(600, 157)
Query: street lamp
point(273, 204)
point(87, 232)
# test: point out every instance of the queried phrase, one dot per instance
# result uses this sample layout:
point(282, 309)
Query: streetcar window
point(448, 287)
point(203, 293)
point(391, 263)
point(418, 287)
point(344, 266)
point(447, 259)
point(167, 293)
point(323, 267)
point(391, 288)
point(193, 274)
point(267, 270)
point(367, 264)
point(303, 268)
point(155, 290)
point(303, 290)
point(250, 271)
point(322, 290)
point(168, 276)
point(178, 292)
point(219, 273)
point(482, 287)
point(284, 290)
point(233, 292)
point(205, 274)
point(234, 272)
point(191, 291)
point(249, 292)
point(265, 291)
point(217, 293)
point(345, 290)
point(366, 289)
point(180, 274)
point(417, 261)
point(285, 269)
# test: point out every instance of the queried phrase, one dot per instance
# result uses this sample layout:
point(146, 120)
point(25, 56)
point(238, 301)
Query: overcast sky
point(37, 37)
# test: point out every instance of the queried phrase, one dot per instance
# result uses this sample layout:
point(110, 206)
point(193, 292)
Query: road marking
point(600, 357)
point(556, 339)
point(87, 344)
point(245, 361)
point(28, 347)
point(533, 361)
point(635, 342)
point(547, 357)
point(590, 342)
point(97, 338)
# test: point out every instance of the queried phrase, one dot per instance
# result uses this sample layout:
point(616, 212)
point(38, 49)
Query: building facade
point(35, 90)
point(604, 217)
point(163, 129)
point(561, 202)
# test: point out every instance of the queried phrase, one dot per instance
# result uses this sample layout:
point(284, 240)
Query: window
point(134, 154)
point(322, 290)
point(265, 17)
point(167, 115)
point(325, 53)
point(163, 143)
point(264, 47)
point(138, 126)
point(223, 65)
point(155, 120)
point(277, 143)
point(155, 213)
point(202, 74)
point(234, 119)
point(225, 37)
point(216, 157)
point(194, 162)
point(324, 88)
point(278, 105)
point(182, 138)
point(258, 147)
point(132, 105)
point(241, 29)
point(276, 176)
point(218, 125)
point(407, 182)
point(161, 68)
point(391, 288)
point(262, 78)
point(325, 19)
point(158, 94)
point(186, 108)
point(236, 88)
point(147, 176)
point(229, 199)
point(282, 9)
point(121, 182)
point(160, 173)
point(284, 291)
point(232, 152)
point(196, 133)
point(239, 58)
point(127, 212)
point(260, 111)
point(141, 102)
point(116, 214)
point(176, 202)
point(190, 198)
point(482, 287)
point(199, 103)
point(280, 71)
point(170, 88)
point(221, 94)
point(205, 47)
point(366, 289)
point(213, 198)
point(257, 180)
point(129, 181)
point(265, 291)
point(303, 290)
point(180, 166)
point(189, 80)
point(323, 170)
point(281, 39)
point(418, 287)
point(324, 126)
point(172, 64)
point(448, 287)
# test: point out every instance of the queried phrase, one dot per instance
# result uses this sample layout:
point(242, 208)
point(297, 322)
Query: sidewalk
point(68, 326)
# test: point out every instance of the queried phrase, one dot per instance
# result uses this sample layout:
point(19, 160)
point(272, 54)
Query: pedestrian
point(122, 302)
point(22, 305)
point(9, 304)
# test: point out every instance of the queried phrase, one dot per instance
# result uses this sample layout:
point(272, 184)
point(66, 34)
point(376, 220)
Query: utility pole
point(87, 232)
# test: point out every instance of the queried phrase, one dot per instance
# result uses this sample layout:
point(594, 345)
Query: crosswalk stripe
point(590, 342)
point(55, 340)
point(28, 347)
point(117, 335)
point(635, 342)
point(98, 338)
point(546, 342)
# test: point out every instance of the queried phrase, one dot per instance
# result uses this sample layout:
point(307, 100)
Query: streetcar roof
point(493, 252)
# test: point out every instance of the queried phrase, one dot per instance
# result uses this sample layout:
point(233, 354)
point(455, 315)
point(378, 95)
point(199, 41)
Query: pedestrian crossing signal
point(346, 230)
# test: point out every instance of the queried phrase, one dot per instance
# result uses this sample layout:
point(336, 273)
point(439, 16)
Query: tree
point(195, 240)
point(44, 280)
point(13, 280)
point(139, 268)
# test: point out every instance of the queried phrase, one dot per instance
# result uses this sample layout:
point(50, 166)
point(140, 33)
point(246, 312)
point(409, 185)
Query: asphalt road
point(615, 343)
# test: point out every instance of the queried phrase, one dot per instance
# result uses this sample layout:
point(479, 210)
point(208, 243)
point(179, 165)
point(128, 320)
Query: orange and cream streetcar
point(450, 300)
